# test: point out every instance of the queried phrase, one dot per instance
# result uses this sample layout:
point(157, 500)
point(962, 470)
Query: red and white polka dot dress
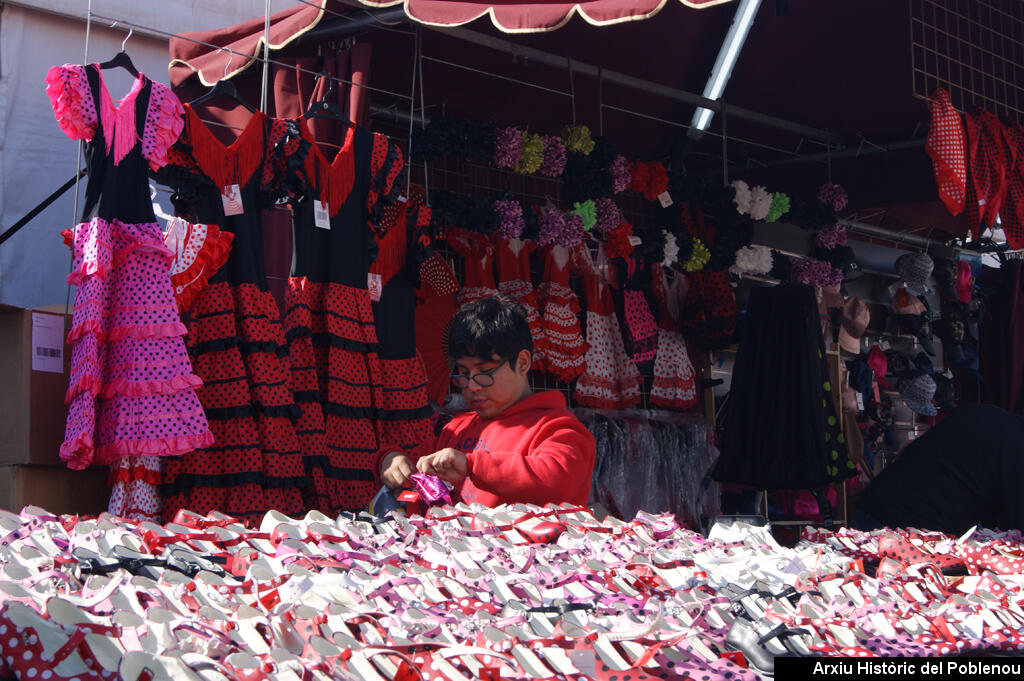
point(674, 377)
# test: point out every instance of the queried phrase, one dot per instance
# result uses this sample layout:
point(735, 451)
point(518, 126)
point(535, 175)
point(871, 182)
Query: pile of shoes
point(517, 592)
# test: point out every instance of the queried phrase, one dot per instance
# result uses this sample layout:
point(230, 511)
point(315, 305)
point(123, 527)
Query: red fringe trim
point(391, 251)
point(226, 165)
point(335, 178)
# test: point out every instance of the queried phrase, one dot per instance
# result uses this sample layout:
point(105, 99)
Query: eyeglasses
point(482, 379)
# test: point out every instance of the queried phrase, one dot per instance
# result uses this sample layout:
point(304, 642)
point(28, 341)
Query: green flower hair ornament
point(779, 207)
point(532, 155)
point(577, 138)
point(698, 258)
point(587, 211)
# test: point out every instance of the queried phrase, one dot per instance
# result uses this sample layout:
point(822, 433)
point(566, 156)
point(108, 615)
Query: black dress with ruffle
point(337, 375)
point(235, 336)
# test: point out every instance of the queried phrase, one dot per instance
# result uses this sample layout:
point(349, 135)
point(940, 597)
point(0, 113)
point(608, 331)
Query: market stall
point(731, 338)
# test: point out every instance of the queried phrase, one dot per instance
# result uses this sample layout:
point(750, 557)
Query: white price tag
point(403, 198)
point(375, 285)
point(884, 344)
point(860, 401)
point(635, 241)
point(47, 343)
point(665, 199)
point(321, 217)
point(231, 197)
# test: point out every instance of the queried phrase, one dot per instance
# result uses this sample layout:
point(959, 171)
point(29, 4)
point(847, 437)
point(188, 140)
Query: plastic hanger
point(327, 107)
point(225, 88)
point(121, 59)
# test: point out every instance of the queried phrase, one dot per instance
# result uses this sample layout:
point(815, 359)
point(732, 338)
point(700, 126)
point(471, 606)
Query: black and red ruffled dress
point(235, 335)
point(336, 372)
point(404, 414)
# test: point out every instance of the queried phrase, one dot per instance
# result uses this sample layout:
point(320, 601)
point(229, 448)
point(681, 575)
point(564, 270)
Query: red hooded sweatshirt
point(534, 452)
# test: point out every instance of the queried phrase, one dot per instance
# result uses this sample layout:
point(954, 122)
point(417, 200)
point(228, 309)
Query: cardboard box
point(57, 489)
point(34, 363)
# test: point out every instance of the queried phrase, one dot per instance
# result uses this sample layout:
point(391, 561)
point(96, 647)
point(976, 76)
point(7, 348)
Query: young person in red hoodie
point(515, 446)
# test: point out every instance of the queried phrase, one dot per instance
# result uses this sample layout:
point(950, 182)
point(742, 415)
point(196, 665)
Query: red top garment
point(986, 157)
point(478, 253)
point(1012, 213)
point(534, 452)
point(947, 147)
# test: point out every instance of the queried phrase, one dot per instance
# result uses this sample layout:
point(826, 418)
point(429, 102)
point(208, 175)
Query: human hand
point(448, 464)
point(395, 470)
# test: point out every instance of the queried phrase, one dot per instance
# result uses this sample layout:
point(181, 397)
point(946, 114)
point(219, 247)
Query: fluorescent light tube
point(727, 56)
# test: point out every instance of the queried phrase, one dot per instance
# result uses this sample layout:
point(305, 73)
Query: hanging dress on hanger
point(336, 372)
point(611, 379)
point(513, 257)
point(675, 384)
point(434, 309)
point(132, 391)
point(235, 335)
point(639, 325)
point(562, 344)
point(478, 264)
point(403, 416)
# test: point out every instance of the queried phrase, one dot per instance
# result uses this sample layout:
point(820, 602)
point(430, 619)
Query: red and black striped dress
point(235, 336)
point(337, 376)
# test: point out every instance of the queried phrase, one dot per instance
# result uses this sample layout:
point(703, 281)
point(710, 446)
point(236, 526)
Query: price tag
point(321, 217)
point(884, 344)
point(635, 241)
point(665, 199)
point(375, 285)
point(860, 401)
point(403, 198)
point(231, 197)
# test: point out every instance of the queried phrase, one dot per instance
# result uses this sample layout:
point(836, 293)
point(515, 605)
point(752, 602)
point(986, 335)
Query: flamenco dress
point(478, 261)
point(336, 372)
point(513, 258)
point(675, 384)
point(403, 416)
point(235, 335)
point(132, 394)
point(611, 379)
point(782, 431)
point(640, 327)
point(562, 345)
point(435, 307)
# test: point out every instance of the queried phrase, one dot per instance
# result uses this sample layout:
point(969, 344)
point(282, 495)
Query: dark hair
point(487, 328)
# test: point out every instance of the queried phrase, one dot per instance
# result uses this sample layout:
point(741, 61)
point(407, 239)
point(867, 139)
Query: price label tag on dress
point(665, 199)
point(231, 197)
point(321, 218)
point(375, 285)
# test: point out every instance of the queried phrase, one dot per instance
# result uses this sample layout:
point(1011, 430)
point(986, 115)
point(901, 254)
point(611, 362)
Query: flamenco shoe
point(140, 666)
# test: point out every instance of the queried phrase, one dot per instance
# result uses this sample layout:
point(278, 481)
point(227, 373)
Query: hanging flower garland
point(622, 174)
point(815, 273)
point(779, 207)
point(532, 155)
point(553, 163)
point(833, 195)
point(831, 236)
point(577, 138)
point(649, 179)
point(608, 216)
point(670, 255)
point(508, 147)
point(619, 243)
point(510, 218)
point(698, 258)
point(752, 260)
point(587, 212)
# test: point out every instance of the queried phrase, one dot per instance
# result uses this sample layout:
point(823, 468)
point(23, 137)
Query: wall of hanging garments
point(655, 462)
